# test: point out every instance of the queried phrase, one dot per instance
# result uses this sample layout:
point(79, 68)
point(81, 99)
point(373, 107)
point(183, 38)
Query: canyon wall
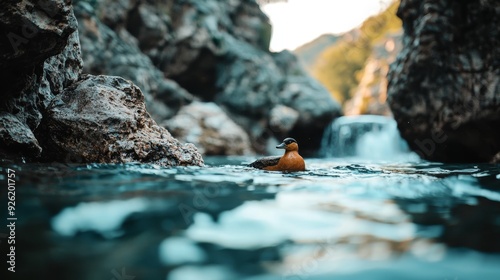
point(444, 87)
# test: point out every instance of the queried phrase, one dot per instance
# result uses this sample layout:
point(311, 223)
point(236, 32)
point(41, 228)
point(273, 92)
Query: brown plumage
point(290, 161)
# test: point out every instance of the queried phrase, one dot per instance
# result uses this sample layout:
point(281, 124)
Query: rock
point(249, 24)
point(253, 82)
point(199, 29)
point(62, 70)
point(313, 102)
point(104, 119)
point(215, 51)
point(33, 31)
point(444, 87)
point(208, 127)
point(53, 113)
point(282, 119)
point(151, 26)
point(116, 53)
point(249, 81)
point(16, 138)
point(59, 71)
point(186, 40)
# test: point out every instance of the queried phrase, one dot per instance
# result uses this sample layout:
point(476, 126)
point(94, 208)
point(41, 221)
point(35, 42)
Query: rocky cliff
point(213, 52)
point(200, 68)
point(51, 112)
point(444, 88)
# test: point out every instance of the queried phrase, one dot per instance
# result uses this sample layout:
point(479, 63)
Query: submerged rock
point(103, 119)
point(444, 86)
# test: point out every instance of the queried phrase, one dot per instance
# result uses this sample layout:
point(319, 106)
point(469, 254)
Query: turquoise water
point(340, 219)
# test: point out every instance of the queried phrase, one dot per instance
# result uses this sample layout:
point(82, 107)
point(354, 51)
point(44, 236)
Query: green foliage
point(339, 67)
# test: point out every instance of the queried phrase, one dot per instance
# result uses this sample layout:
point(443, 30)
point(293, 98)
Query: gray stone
point(208, 127)
point(116, 53)
point(16, 139)
point(33, 31)
point(444, 86)
point(61, 70)
point(282, 119)
point(249, 81)
point(313, 102)
point(103, 119)
point(216, 51)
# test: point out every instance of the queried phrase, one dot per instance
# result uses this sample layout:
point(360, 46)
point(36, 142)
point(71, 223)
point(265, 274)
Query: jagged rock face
point(248, 81)
point(117, 53)
point(17, 140)
point(31, 32)
point(184, 39)
point(215, 50)
point(201, 30)
point(62, 70)
point(309, 98)
point(52, 113)
point(444, 88)
point(103, 119)
point(207, 126)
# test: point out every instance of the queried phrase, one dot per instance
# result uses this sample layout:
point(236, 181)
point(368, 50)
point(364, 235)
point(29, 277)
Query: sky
point(300, 21)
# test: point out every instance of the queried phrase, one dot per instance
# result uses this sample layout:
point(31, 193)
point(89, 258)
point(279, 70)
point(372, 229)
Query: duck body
point(290, 161)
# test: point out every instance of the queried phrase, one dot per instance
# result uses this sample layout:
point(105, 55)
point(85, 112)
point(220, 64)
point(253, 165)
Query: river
point(343, 218)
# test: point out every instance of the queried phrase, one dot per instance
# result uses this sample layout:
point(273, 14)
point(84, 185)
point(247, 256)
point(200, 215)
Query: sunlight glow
point(300, 21)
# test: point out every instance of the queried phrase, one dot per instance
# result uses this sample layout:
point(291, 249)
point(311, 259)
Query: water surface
point(340, 219)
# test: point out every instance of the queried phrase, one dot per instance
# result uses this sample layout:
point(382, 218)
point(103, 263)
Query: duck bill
point(281, 146)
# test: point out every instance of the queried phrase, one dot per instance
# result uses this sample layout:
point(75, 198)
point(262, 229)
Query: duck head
point(289, 144)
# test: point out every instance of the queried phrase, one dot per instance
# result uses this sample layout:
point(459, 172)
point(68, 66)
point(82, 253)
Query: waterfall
point(369, 137)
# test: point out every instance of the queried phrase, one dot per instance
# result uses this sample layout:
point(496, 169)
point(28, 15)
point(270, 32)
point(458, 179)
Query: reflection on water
point(338, 220)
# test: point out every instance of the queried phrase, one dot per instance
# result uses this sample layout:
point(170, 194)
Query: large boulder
point(103, 119)
point(444, 87)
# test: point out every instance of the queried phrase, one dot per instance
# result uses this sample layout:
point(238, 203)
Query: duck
point(291, 161)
